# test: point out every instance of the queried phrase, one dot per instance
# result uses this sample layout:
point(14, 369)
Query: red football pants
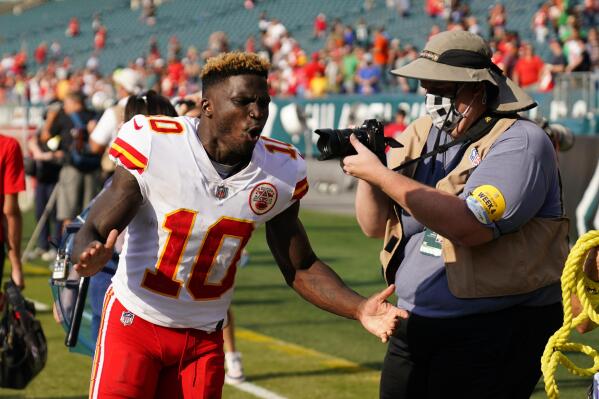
point(138, 359)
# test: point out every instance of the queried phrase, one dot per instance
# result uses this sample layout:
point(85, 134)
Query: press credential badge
point(431, 243)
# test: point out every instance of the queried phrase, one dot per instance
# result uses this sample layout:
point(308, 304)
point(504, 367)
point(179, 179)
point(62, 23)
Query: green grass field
point(289, 347)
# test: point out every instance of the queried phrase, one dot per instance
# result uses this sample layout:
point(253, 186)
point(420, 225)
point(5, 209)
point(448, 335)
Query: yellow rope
point(574, 281)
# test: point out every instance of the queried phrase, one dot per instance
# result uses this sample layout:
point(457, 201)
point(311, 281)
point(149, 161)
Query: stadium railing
point(578, 89)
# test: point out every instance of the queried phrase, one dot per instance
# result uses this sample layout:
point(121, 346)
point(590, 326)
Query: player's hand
point(17, 276)
point(380, 317)
point(365, 164)
point(96, 255)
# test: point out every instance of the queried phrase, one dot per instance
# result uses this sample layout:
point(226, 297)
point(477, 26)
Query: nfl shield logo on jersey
point(127, 318)
point(221, 192)
point(263, 198)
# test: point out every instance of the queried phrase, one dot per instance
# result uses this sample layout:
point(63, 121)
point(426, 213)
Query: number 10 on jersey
point(179, 224)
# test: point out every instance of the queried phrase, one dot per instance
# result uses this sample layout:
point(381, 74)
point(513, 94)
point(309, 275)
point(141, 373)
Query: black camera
point(334, 143)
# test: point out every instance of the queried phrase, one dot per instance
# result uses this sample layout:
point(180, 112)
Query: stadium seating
point(192, 22)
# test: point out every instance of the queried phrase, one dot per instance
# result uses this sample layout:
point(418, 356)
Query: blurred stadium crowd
point(355, 58)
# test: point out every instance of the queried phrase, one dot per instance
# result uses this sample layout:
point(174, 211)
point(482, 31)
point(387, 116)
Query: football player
point(191, 192)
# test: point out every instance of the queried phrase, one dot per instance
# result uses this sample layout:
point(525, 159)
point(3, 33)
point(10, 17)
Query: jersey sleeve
point(301, 186)
point(131, 148)
point(297, 178)
point(288, 156)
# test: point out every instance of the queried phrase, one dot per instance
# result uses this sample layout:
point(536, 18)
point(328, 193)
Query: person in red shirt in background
point(434, 8)
point(100, 38)
point(40, 53)
point(320, 26)
point(394, 128)
point(175, 69)
point(73, 27)
point(175, 73)
point(12, 181)
point(506, 59)
point(528, 68)
point(20, 63)
point(314, 66)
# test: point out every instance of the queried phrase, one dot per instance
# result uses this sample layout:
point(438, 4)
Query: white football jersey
point(178, 264)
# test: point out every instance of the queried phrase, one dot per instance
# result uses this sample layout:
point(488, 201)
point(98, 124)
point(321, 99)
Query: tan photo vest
point(516, 263)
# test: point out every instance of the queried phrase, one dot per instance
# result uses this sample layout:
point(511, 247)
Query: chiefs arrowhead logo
point(263, 198)
point(135, 125)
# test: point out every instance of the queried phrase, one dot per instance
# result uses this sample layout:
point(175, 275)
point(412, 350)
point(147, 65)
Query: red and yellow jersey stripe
point(275, 146)
point(274, 141)
point(301, 188)
point(129, 156)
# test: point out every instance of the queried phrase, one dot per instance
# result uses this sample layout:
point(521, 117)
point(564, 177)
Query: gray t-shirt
point(522, 165)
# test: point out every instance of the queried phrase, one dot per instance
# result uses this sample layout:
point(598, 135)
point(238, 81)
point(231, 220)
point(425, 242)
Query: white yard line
point(326, 360)
point(257, 391)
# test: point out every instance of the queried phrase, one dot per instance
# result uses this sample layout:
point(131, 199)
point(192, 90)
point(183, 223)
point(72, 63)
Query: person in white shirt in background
point(127, 82)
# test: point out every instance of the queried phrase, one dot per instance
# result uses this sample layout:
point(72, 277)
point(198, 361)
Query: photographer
point(79, 179)
point(47, 159)
point(474, 234)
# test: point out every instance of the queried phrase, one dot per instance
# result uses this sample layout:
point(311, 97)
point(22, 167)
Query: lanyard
point(480, 128)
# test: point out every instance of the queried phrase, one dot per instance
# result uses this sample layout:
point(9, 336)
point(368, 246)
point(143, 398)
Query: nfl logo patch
point(221, 192)
point(474, 157)
point(127, 318)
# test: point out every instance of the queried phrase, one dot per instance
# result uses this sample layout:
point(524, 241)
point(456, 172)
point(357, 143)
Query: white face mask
point(443, 112)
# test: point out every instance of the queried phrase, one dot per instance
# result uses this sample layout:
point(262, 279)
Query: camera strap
point(481, 127)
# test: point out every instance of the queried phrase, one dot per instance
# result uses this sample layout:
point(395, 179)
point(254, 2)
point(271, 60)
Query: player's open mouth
point(254, 132)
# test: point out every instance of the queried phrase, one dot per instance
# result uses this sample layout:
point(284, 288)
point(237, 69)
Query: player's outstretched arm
point(319, 284)
point(110, 214)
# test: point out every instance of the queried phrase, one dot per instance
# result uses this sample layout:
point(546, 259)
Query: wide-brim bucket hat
point(460, 56)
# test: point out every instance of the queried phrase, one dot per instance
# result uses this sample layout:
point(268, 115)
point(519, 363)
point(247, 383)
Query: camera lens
point(334, 143)
point(326, 143)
